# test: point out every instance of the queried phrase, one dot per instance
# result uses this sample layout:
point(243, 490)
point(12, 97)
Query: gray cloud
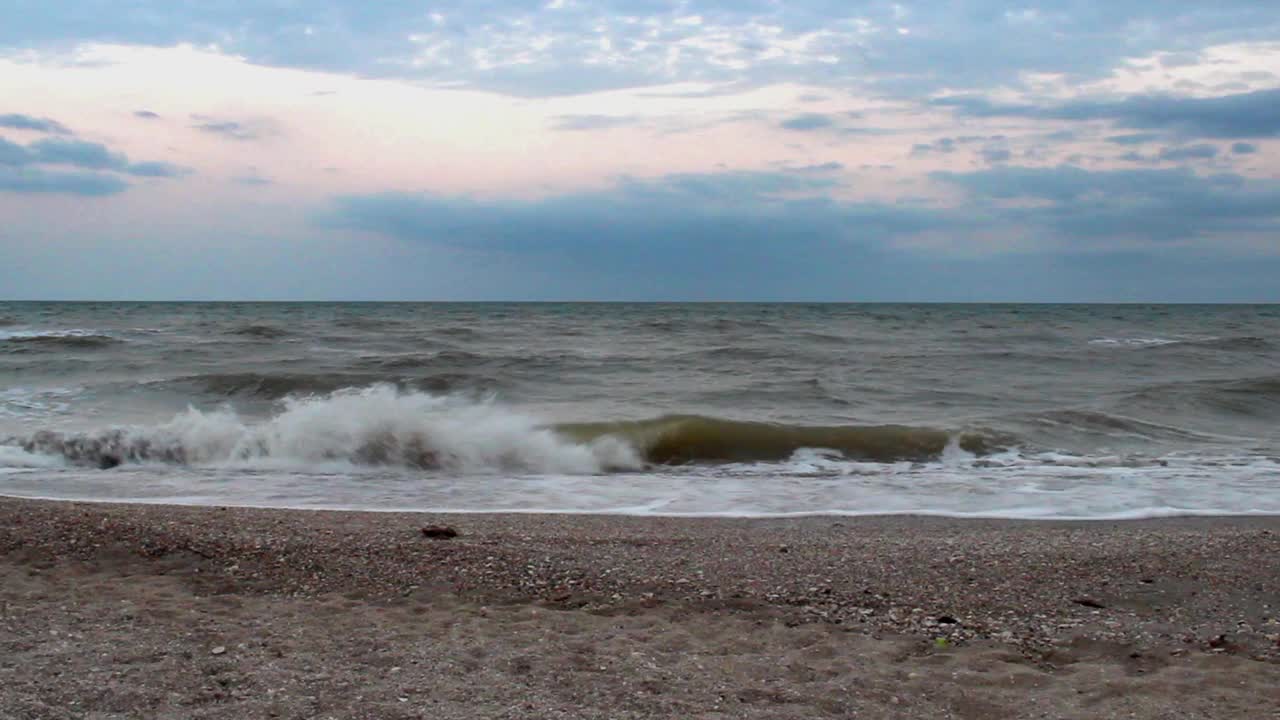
point(1245, 115)
point(965, 44)
point(1133, 139)
point(714, 235)
point(951, 144)
point(39, 180)
point(681, 229)
point(808, 121)
point(79, 153)
point(27, 122)
point(146, 115)
point(1202, 151)
point(1153, 205)
point(12, 153)
point(1174, 154)
point(1243, 148)
point(826, 167)
point(28, 171)
point(156, 170)
point(995, 155)
point(241, 130)
point(594, 122)
point(941, 145)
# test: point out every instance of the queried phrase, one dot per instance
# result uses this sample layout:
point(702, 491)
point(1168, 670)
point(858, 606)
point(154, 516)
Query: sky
point(810, 150)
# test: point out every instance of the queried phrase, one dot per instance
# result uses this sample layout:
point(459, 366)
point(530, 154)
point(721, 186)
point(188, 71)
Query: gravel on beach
point(280, 613)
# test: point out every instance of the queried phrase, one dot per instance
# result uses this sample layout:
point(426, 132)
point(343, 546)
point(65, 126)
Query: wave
point(1255, 397)
point(53, 340)
point(1092, 422)
point(260, 332)
point(376, 426)
point(278, 386)
point(386, 426)
point(1243, 343)
point(1239, 343)
point(369, 323)
point(675, 439)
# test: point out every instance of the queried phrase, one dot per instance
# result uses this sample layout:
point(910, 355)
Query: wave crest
point(375, 426)
point(385, 426)
point(54, 340)
point(692, 438)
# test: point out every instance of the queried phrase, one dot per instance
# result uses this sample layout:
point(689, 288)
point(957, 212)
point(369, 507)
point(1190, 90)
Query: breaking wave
point(1239, 343)
point(385, 426)
point(376, 426)
point(675, 439)
point(54, 340)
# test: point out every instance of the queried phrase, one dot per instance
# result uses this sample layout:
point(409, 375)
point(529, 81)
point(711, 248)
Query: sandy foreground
point(126, 611)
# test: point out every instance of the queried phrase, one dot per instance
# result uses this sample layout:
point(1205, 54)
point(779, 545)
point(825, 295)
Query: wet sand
point(125, 611)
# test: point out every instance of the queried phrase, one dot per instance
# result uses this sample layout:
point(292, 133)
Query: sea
point(700, 409)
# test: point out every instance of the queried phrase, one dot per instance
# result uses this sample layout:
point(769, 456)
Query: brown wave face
point(677, 439)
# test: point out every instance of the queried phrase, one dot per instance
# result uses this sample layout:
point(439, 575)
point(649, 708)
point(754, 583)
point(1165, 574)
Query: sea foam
point(374, 426)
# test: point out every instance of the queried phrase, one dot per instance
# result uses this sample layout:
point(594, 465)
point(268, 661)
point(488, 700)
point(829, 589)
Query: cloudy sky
point(694, 150)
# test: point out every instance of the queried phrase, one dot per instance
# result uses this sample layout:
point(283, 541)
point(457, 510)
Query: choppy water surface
point(998, 410)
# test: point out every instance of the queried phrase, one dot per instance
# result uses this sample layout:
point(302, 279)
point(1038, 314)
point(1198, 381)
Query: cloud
point(1244, 148)
point(79, 153)
point(679, 229)
point(1202, 151)
point(1245, 115)
point(941, 145)
point(1133, 139)
point(528, 49)
point(39, 180)
point(27, 122)
point(593, 122)
point(29, 173)
point(242, 130)
point(826, 167)
point(146, 115)
point(807, 121)
point(1174, 154)
point(993, 155)
point(1033, 232)
point(1156, 206)
point(12, 153)
point(531, 49)
point(156, 170)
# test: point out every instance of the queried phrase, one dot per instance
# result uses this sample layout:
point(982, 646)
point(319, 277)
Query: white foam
point(36, 402)
point(379, 425)
point(16, 458)
point(1133, 341)
point(65, 333)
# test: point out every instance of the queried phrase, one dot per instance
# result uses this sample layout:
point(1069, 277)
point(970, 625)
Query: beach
point(120, 611)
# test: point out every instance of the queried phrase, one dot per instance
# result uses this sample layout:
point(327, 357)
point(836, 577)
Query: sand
point(126, 611)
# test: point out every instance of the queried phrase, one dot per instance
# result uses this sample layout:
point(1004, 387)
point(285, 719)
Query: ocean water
point(1036, 411)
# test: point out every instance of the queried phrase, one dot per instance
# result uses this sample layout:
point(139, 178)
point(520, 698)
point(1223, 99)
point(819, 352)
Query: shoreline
point(1142, 598)
point(1154, 514)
